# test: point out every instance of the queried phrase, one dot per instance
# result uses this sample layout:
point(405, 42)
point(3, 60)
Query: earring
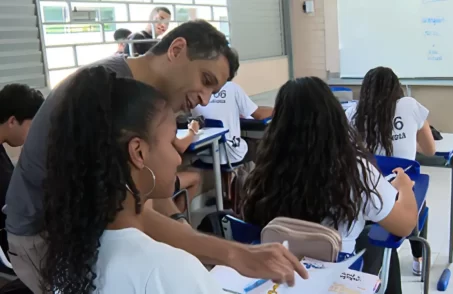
point(154, 181)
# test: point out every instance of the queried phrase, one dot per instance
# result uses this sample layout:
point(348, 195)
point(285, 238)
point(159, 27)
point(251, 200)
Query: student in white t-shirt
point(229, 105)
point(399, 126)
point(109, 158)
point(310, 166)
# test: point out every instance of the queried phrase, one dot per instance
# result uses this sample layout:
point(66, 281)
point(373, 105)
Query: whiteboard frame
point(404, 82)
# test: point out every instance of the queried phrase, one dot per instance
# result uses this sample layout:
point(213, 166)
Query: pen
point(230, 291)
point(252, 286)
point(392, 176)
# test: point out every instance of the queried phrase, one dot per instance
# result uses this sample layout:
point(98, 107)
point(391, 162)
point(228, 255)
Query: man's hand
point(268, 261)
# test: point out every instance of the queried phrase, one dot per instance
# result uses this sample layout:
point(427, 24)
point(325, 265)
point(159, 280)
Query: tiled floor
point(438, 200)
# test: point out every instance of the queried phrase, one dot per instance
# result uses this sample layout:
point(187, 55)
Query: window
point(256, 28)
point(79, 32)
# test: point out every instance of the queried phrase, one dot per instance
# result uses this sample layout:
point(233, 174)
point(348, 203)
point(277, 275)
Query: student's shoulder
point(407, 101)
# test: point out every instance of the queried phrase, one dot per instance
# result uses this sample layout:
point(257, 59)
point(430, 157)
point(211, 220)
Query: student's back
point(311, 166)
point(409, 118)
point(129, 261)
point(389, 123)
point(228, 105)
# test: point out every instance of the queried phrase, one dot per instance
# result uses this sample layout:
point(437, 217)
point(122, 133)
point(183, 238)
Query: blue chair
point(379, 237)
point(238, 230)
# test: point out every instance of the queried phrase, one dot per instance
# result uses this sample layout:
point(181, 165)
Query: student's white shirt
point(375, 210)
point(409, 118)
point(228, 105)
point(131, 262)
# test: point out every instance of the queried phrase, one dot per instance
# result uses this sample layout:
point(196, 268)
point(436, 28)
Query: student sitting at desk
point(228, 105)
point(311, 165)
point(108, 157)
point(18, 105)
point(399, 126)
point(189, 180)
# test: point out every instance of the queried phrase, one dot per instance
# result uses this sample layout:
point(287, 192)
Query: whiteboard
point(413, 37)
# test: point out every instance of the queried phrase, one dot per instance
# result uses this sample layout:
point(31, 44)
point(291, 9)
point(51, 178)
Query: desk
point(210, 136)
point(253, 128)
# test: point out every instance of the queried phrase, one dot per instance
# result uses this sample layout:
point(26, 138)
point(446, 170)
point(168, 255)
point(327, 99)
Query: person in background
point(189, 64)
point(311, 165)
point(189, 180)
point(96, 192)
point(18, 105)
point(229, 105)
point(161, 17)
point(119, 35)
point(392, 124)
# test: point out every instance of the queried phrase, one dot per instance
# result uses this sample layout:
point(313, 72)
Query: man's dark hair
point(159, 9)
point(121, 34)
point(204, 41)
point(20, 101)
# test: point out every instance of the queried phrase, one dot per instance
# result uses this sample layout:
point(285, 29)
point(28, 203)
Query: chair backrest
point(388, 164)
point(240, 231)
point(305, 239)
point(213, 123)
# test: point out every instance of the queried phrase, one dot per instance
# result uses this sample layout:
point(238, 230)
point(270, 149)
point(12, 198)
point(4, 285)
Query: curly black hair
point(88, 170)
point(310, 164)
point(381, 89)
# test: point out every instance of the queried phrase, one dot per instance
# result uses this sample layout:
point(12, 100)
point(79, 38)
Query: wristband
point(178, 216)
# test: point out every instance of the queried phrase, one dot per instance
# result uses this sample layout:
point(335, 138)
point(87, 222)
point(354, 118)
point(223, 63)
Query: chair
point(388, 164)
point(380, 237)
point(186, 196)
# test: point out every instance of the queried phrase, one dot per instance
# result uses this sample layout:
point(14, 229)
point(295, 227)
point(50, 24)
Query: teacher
point(190, 63)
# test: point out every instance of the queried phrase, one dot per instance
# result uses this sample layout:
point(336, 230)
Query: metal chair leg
point(384, 273)
point(426, 267)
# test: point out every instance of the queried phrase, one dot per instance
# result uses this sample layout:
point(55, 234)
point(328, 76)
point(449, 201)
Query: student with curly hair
point(312, 166)
point(107, 157)
point(392, 124)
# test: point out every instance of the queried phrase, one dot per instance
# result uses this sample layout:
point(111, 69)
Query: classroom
point(269, 146)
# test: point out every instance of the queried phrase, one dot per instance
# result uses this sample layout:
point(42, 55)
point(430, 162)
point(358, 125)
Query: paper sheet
point(321, 279)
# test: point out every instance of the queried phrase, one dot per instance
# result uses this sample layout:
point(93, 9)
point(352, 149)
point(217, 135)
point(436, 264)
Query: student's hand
point(402, 180)
point(194, 126)
point(268, 261)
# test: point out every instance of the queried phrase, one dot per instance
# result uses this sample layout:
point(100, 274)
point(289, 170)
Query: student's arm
point(425, 140)
point(267, 261)
point(399, 217)
point(248, 108)
point(263, 112)
point(182, 144)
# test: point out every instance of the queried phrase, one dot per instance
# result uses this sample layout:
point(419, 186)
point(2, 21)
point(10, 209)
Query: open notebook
point(325, 277)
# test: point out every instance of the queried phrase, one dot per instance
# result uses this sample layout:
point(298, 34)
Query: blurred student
point(189, 180)
point(229, 105)
point(392, 124)
point(120, 35)
point(160, 17)
point(18, 105)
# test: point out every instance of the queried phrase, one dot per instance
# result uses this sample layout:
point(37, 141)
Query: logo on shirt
point(219, 97)
point(235, 142)
point(398, 125)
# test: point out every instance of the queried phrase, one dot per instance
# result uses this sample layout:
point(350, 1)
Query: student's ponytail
point(87, 174)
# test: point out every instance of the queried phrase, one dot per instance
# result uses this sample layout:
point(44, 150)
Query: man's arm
point(267, 261)
point(263, 112)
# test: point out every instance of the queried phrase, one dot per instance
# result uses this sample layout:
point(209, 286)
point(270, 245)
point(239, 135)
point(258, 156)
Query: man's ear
point(177, 48)
point(135, 153)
